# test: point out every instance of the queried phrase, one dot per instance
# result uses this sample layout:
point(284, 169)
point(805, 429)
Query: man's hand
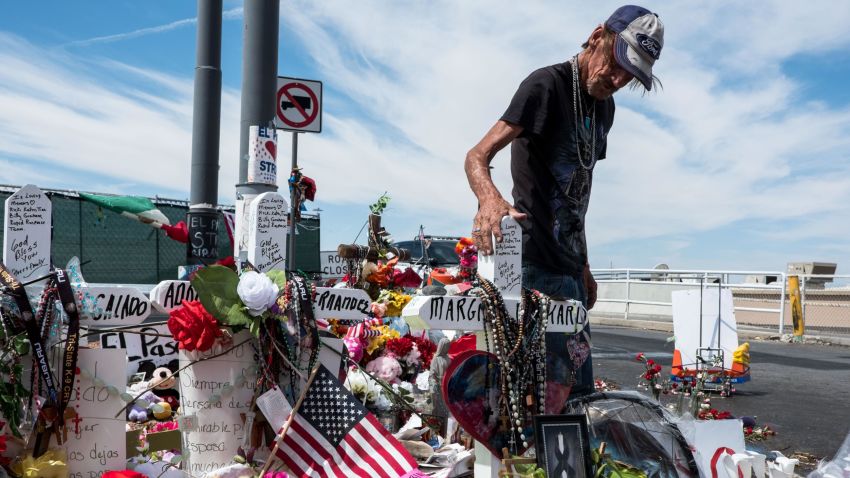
point(491, 205)
point(488, 223)
point(590, 287)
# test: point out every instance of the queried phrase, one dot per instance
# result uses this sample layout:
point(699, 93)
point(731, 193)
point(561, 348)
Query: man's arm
point(491, 205)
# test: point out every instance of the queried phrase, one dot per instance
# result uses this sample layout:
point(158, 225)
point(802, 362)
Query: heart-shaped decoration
point(471, 392)
point(271, 148)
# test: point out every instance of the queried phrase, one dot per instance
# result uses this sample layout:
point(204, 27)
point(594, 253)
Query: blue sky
point(739, 162)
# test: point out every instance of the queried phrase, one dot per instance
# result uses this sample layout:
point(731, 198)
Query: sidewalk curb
point(743, 333)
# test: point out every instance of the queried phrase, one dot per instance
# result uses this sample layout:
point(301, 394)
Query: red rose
point(426, 350)
point(193, 327)
point(400, 347)
point(650, 362)
point(656, 369)
point(639, 357)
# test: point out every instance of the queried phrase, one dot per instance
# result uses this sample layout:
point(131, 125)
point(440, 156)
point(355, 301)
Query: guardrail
point(760, 297)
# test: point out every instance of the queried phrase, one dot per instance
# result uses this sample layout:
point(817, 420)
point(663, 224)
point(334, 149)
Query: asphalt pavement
point(801, 390)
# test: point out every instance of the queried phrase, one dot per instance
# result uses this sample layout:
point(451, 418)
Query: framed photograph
point(562, 446)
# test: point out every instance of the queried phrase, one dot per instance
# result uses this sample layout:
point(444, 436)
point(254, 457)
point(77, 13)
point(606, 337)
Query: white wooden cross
point(504, 269)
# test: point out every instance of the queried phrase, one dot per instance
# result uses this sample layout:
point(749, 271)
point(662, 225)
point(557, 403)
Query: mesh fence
point(116, 249)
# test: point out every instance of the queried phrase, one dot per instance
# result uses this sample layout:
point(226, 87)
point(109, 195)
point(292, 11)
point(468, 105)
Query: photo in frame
point(562, 446)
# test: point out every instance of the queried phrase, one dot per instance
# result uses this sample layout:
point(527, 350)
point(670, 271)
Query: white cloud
point(731, 140)
point(60, 113)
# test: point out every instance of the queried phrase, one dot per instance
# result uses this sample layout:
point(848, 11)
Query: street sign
point(299, 105)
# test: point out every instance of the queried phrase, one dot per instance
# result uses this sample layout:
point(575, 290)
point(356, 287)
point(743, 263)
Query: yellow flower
point(49, 465)
point(377, 342)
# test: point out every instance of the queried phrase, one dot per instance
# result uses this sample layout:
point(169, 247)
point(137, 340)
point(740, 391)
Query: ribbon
point(363, 329)
point(69, 360)
point(19, 294)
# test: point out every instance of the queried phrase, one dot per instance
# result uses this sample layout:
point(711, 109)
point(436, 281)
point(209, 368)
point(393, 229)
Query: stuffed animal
point(162, 381)
point(138, 414)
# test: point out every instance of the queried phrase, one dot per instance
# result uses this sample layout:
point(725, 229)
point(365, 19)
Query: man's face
point(604, 75)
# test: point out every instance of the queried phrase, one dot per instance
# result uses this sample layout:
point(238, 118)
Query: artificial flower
point(354, 346)
point(463, 243)
point(376, 343)
point(193, 327)
point(395, 302)
point(383, 274)
point(426, 350)
point(378, 310)
point(385, 368)
point(423, 380)
point(257, 292)
point(123, 474)
point(361, 386)
point(276, 474)
point(399, 348)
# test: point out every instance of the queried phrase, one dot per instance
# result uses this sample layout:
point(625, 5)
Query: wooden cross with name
point(504, 269)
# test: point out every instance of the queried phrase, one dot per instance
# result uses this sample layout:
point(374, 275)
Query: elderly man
point(558, 123)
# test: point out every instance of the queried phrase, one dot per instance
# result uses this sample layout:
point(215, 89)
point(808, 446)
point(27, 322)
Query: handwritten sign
point(220, 427)
point(331, 303)
point(333, 266)
point(96, 439)
point(26, 233)
point(169, 294)
point(115, 306)
point(466, 313)
point(203, 234)
point(267, 234)
point(504, 267)
point(142, 348)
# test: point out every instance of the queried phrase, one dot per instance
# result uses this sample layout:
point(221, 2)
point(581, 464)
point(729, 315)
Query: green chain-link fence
point(120, 250)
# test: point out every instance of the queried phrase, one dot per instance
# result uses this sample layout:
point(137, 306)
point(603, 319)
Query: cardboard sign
point(466, 313)
point(142, 348)
point(26, 233)
point(333, 266)
point(96, 439)
point(262, 155)
point(169, 294)
point(115, 306)
point(267, 235)
point(220, 427)
point(504, 267)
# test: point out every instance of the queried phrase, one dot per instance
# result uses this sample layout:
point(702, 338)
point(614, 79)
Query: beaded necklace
point(520, 348)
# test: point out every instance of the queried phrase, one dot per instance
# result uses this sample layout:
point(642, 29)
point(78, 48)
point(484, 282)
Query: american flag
point(333, 435)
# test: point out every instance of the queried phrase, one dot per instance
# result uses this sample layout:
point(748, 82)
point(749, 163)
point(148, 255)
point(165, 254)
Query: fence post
point(628, 292)
point(782, 304)
point(803, 294)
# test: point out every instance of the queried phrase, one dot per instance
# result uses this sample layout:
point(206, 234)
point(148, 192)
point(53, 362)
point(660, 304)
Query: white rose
point(257, 292)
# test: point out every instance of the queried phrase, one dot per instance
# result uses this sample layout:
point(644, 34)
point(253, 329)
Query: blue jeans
point(559, 367)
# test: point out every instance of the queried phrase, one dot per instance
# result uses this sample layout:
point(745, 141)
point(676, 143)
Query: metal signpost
point(298, 110)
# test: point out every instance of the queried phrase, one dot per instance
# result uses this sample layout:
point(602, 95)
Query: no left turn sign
point(299, 105)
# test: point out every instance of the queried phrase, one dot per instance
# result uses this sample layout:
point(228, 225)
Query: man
point(558, 122)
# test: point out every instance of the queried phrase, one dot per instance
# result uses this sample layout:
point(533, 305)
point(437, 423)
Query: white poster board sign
point(333, 266)
point(220, 427)
point(719, 329)
point(142, 348)
point(169, 294)
point(267, 235)
point(115, 306)
point(96, 439)
point(504, 266)
point(26, 233)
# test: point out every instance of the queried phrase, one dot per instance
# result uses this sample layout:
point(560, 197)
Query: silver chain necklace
point(578, 111)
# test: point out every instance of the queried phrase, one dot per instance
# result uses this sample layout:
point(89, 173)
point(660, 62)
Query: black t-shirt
point(550, 185)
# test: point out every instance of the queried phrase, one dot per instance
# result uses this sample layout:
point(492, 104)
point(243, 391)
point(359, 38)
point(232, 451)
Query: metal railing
point(760, 297)
point(648, 292)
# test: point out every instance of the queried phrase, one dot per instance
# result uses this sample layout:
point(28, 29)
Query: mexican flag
point(134, 207)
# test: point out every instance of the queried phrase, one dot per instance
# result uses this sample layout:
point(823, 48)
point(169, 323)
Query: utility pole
point(259, 89)
point(202, 218)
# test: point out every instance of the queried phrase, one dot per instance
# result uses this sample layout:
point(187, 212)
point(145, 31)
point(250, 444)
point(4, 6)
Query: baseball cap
point(640, 37)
